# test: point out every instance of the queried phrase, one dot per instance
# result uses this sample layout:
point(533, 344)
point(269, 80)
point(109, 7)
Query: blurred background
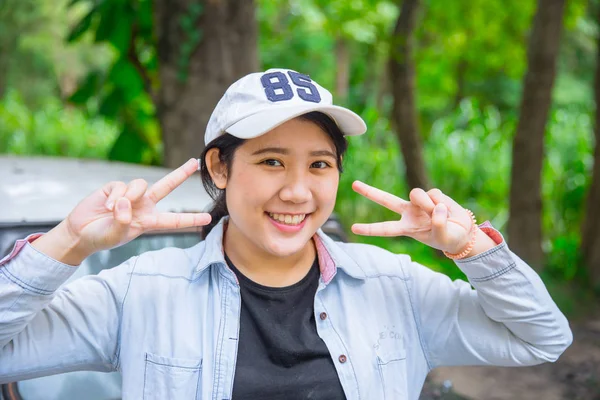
point(492, 101)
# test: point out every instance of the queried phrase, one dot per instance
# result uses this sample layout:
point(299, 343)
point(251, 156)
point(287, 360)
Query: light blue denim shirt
point(168, 320)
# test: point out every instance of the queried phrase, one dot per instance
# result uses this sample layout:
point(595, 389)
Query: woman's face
point(281, 188)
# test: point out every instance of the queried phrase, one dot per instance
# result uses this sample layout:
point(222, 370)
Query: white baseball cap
point(261, 101)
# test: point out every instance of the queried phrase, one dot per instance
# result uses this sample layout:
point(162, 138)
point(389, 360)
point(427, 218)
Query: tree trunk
point(197, 64)
point(404, 113)
point(590, 230)
point(525, 222)
point(342, 73)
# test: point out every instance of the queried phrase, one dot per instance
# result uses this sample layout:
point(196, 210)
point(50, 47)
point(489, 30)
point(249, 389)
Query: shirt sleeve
point(504, 317)
point(46, 328)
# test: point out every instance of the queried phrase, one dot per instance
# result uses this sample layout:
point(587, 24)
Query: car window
point(85, 384)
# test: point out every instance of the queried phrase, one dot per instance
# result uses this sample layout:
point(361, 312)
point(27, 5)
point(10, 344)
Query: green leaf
point(129, 147)
point(111, 104)
point(186, 49)
point(187, 22)
point(196, 9)
point(108, 20)
point(82, 26)
point(121, 34)
point(73, 2)
point(195, 36)
point(144, 17)
point(182, 76)
point(115, 24)
point(87, 89)
point(124, 75)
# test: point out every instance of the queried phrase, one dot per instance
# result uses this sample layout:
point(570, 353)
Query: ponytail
point(218, 211)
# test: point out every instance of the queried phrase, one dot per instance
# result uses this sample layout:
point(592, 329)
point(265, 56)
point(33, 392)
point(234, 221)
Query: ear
point(216, 169)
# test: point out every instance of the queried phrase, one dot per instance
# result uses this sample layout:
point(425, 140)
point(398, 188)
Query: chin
point(287, 247)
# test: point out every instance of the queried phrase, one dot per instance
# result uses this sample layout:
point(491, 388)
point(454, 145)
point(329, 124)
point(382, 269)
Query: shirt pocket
point(392, 371)
point(171, 378)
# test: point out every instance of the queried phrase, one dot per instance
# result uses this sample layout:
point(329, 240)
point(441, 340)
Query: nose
point(296, 188)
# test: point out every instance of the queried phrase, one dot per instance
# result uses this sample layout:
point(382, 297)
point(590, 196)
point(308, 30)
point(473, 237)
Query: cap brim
point(262, 122)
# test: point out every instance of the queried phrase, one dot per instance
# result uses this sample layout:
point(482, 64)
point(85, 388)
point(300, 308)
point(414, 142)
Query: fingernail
point(110, 205)
point(440, 209)
point(122, 205)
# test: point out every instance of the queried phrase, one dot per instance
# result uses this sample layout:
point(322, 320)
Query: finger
point(436, 195)
point(136, 189)
point(388, 228)
point(166, 185)
point(449, 201)
point(178, 220)
point(452, 207)
point(422, 200)
point(122, 211)
point(380, 197)
point(439, 221)
point(114, 191)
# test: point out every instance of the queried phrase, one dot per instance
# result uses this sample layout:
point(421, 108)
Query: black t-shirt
point(280, 355)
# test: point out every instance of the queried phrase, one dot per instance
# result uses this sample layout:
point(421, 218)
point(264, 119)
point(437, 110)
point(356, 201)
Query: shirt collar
point(331, 255)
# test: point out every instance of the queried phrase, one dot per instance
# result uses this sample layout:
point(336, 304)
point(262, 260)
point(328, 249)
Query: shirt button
point(342, 358)
point(323, 316)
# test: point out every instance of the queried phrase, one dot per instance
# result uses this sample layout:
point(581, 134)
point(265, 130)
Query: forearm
point(509, 319)
point(482, 244)
point(61, 245)
point(45, 327)
point(27, 283)
point(511, 293)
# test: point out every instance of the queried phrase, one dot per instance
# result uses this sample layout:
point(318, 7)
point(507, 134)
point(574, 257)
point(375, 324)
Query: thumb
point(122, 211)
point(439, 220)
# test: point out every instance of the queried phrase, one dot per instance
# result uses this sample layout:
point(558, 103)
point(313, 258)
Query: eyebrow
point(281, 150)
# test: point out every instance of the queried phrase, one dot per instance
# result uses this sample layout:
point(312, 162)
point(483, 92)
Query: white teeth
point(288, 219)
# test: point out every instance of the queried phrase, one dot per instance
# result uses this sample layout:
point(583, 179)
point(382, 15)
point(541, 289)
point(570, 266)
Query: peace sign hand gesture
point(429, 217)
point(117, 214)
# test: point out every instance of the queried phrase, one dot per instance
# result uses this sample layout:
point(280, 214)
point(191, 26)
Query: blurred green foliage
point(122, 90)
point(468, 156)
point(470, 60)
point(52, 129)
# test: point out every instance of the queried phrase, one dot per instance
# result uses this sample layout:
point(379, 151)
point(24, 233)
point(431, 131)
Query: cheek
point(326, 190)
point(248, 187)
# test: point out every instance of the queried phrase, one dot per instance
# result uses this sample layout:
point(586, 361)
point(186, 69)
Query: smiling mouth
point(288, 219)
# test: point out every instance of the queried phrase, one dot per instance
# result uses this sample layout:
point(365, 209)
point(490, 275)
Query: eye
point(320, 165)
point(272, 162)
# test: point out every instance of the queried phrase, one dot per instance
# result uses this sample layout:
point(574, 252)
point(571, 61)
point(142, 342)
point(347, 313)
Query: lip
point(288, 228)
point(288, 213)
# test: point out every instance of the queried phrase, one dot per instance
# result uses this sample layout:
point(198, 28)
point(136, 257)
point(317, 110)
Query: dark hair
point(228, 144)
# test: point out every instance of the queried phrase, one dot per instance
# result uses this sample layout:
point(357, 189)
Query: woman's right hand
point(117, 214)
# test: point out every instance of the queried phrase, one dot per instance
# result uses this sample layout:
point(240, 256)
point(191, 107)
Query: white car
point(36, 193)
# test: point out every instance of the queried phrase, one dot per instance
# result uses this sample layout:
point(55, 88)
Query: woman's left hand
point(429, 217)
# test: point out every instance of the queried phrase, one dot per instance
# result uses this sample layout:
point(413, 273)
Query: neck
point(265, 268)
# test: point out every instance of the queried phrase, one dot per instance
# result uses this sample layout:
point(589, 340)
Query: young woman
point(267, 306)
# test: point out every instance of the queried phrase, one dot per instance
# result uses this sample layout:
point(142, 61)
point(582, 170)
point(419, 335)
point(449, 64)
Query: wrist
point(467, 247)
point(482, 244)
point(61, 245)
point(479, 241)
